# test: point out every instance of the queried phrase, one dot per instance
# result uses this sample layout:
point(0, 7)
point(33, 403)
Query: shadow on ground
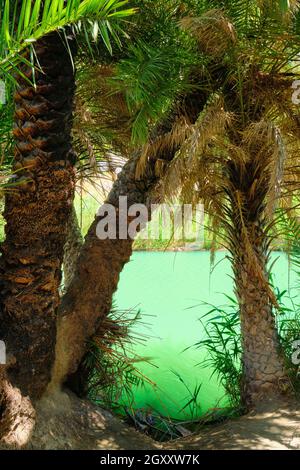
point(273, 425)
point(67, 422)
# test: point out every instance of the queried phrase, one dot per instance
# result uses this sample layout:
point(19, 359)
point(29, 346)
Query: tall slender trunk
point(262, 362)
point(36, 209)
point(74, 241)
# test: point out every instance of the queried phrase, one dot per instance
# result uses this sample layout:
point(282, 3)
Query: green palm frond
point(151, 79)
point(29, 20)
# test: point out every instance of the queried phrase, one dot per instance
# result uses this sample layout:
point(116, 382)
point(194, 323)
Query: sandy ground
point(275, 425)
point(65, 422)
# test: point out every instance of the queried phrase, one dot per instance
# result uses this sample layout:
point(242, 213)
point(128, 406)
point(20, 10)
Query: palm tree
point(147, 78)
point(237, 143)
point(223, 132)
point(39, 200)
point(239, 154)
point(36, 210)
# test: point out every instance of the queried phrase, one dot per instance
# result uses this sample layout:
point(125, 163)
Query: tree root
point(17, 416)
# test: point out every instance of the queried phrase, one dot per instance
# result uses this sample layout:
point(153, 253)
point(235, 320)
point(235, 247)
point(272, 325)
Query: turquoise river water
point(170, 288)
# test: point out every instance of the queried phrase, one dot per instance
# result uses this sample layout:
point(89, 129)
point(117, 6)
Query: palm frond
point(22, 26)
point(150, 79)
point(213, 31)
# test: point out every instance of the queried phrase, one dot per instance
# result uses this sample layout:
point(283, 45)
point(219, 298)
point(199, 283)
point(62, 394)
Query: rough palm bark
point(37, 206)
point(263, 368)
point(74, 241)
point(89, 296)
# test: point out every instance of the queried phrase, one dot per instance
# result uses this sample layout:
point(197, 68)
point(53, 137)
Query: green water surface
point(170, 289)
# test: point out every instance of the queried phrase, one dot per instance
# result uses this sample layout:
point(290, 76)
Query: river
point(170, 289)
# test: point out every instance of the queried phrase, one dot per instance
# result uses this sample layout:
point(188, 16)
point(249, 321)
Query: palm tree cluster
point(196, 96)
point(240, 156)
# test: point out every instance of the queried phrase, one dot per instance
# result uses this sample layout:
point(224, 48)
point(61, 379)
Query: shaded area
point(66, 422)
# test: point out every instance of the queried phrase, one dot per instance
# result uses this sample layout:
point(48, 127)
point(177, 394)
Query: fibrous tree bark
point(74, 241)
point(89, 296)
point(263, 367)
point(37, 205)
point(263, 364)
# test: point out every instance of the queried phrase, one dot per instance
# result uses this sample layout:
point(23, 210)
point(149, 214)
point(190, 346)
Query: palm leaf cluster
point(24, 22)
point(122, 97)
point(240, 156)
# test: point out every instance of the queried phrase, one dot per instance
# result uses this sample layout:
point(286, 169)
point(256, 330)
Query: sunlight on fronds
point(164, 143)
point(27, 21)
point(150, 79)
point(207, 130)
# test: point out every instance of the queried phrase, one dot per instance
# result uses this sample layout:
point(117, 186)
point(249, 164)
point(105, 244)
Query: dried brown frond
point(213, 31)
point(164, 144)
point(277, 173)
point(271, 91)
point(189, 165)
point(244, 242)
point(264, 143)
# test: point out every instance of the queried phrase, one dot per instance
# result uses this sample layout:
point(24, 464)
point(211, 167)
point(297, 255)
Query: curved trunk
point(89, 296)
point(36, 209)
point(250, 183)
point(74, 241)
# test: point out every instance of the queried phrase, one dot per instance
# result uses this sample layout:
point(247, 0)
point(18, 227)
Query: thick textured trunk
point(74, 241)
point(17, 417)
point(36, 209)
point(89, 296)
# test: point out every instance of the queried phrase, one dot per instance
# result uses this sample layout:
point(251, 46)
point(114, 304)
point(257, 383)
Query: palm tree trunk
point(89, 296)
point(74, 241)
point(262, 362)
point(37, 206)
point(263, 365)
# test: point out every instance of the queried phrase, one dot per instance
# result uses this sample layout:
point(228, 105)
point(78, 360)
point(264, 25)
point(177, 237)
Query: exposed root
point(64, 421)
point(17, 417)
